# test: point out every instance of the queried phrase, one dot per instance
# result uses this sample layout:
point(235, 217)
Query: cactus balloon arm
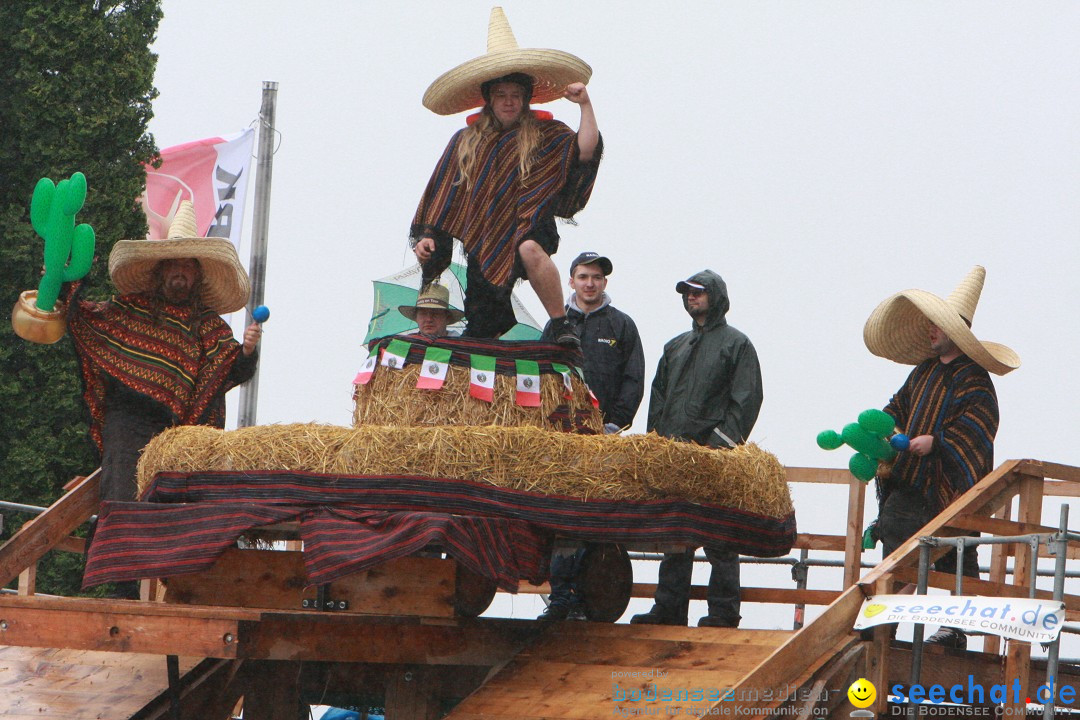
point(82, 253)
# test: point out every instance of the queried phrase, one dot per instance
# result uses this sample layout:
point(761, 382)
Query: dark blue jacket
point(614, 361)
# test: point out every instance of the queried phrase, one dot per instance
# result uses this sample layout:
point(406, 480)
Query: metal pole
point(1060, 546)
point(249, 392)
point(917, 636)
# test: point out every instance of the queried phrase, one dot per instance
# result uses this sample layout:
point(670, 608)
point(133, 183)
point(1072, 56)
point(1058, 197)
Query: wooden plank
point(997, 526)
point(276, 580)
point(998, 571)
point(37, 537)
point(829, 476)
point(354, 638)
point(811, 541)
point(715, 649)
point(530, 690)
point(273, 692)
point(783, 596)
point(77, 685)
point(790, 659)
point(1056, 471)
point(947, 581)
point(853, 538)
point(411, 694)
point(97, 630)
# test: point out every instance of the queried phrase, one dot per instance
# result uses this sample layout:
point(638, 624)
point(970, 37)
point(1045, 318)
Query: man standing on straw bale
point(159, 354)
point(503, 179)
point(947, 406)
point(615, 372)
point(707, 390)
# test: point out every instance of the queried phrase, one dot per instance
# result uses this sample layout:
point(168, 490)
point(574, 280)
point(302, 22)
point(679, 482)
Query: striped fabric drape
point(350, 523)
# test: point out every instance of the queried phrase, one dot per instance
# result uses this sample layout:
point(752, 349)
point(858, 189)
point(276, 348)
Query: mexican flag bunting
point(528, 383)
point(368, 368)
point(482, 377)
point(568, 388)
point(395, 354)
point(433, 371)
point(592, 398)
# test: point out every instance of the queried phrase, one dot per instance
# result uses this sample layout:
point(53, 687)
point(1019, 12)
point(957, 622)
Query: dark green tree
point(75, 95)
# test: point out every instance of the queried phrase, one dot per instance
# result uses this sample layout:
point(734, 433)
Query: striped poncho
point(176, 355)
point(499, 209)
point(954, 402)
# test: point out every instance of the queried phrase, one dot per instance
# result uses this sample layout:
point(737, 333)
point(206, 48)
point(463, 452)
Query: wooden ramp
point(580, 670)
point(79, 684)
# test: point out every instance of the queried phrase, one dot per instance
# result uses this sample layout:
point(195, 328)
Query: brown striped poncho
point(955, 403)
point(179, 357)
point(499, 210)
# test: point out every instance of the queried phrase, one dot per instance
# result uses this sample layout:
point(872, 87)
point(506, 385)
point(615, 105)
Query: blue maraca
point(260, 314)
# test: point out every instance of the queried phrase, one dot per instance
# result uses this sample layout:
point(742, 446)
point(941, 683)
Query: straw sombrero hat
point(225, 284)
point(897, 329)
point(433, 297)
point(551, 70)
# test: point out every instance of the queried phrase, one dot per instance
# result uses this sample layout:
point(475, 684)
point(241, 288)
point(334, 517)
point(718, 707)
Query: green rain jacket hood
point(707, 387)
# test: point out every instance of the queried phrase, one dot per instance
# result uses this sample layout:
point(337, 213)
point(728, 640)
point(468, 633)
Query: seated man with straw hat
point(504, 178)
point(432, 312)
point(947, 406)
point(159, 354)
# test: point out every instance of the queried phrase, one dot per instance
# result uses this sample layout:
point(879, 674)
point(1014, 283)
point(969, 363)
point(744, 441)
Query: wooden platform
point(579, 670)
point(79, 684)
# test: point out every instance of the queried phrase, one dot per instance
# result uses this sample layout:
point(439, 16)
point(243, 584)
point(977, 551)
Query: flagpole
point(249, 391)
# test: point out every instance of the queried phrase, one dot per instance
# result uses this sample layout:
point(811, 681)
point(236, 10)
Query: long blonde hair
point(528, 140)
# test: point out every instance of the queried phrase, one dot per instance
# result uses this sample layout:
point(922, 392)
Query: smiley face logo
point(872, 610)
point(862, 693)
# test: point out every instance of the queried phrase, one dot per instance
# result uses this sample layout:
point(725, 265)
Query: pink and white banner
point(213, 174)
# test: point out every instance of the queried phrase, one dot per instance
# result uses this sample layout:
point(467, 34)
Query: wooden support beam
point(828, 476)
point(28, 580)
point(44, 532)
point(996, 526)
point(411, 694)
point(273, 691)
point(998, 570)
point(1051, 470)
point(277, 579)
point(811, 541)
point(853, 540)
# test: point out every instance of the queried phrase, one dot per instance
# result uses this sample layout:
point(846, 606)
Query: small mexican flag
point(433, 372)
point(482, 377)
point(568, 388)
point(368, 368)
point(528, 383)
point(395, 354)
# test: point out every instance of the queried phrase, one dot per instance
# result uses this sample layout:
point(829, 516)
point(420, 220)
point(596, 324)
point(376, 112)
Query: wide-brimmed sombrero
point(458, 90)
point(898, 327)
point(225, 284)
point(432, 297)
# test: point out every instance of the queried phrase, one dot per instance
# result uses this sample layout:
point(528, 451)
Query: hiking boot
point(552, 612)
point(564, 331)
point(717, 622)
point(950, 638)
point(577, 613)
point(656, 616)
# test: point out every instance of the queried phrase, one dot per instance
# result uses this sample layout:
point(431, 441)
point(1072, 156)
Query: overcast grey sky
point(819, 155)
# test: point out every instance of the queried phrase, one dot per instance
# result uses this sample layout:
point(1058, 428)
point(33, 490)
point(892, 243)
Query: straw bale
point(392, 398)
point(614, 467)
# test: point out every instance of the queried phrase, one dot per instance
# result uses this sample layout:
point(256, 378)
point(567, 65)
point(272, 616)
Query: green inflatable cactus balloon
point(69, 248)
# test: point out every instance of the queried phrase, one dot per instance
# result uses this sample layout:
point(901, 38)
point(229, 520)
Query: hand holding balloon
point(868, 438)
